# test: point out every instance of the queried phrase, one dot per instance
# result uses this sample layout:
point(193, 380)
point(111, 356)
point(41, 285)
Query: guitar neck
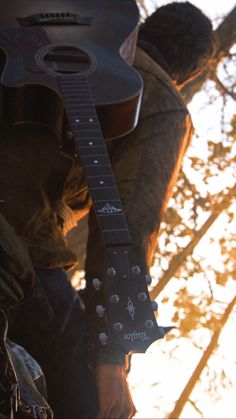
point(90, 148)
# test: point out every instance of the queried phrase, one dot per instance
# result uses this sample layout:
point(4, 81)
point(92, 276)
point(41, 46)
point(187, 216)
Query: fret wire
point(92, 146)
point(86, 123)
point(101, 187)
point(86, 112)
point(81, 103)
point(95, 155)
point(76, 90)
point(116, 229)
point(121, 214)
point(87, 106)
point(91, 139)
point(97, 165)
point(87, 130)
point(100, 176)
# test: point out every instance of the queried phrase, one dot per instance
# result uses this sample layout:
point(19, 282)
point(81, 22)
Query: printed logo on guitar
point(136, 336)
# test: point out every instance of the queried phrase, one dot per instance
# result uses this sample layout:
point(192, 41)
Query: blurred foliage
point(201, 274)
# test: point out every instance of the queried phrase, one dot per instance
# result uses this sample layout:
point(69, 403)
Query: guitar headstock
point(127, 316)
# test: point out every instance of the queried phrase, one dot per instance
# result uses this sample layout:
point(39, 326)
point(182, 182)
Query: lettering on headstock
point(136, 336)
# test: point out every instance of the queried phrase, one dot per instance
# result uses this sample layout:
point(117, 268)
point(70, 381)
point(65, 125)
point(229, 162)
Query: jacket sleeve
point(146, 164)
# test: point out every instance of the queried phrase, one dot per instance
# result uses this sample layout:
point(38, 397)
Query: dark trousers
point(51, 326)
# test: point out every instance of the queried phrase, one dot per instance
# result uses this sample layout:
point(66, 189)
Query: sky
point(157, 379)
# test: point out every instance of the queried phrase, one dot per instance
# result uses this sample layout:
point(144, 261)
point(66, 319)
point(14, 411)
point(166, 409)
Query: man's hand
point(113, 392)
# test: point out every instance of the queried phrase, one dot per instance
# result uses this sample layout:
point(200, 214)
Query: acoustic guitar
point(72, 71)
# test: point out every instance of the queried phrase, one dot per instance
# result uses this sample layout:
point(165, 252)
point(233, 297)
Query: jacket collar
point(153, 52)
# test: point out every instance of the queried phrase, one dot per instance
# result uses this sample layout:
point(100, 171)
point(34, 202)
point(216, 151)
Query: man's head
point(183, 35)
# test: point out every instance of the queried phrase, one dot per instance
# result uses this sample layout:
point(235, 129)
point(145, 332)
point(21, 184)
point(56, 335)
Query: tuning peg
point(148, 279)
point(163, 330)
point(111, 272)
point(154, 305)
point(142, 296)
point(96, 283)
point(115, 299)
point(100, 310)
point(149, 324)
point(136, 270)
point(103, 338)
point(118, 327)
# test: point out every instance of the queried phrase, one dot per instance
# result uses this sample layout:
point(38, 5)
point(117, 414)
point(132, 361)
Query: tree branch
point(225, 36)
point(202, 363)
point(178, 260)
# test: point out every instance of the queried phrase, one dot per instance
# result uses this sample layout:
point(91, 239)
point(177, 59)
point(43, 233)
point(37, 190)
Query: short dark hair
point(183, 35)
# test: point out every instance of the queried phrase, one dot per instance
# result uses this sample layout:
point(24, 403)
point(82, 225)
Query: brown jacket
point(39, 187)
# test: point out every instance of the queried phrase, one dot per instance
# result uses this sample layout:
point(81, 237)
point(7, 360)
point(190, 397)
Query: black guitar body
point(40, 40)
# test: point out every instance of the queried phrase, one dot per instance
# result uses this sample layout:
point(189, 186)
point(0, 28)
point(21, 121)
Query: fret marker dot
point(101, 182)
point(90, 119)
point(95, 161)
point(90, 143)
point(77, 120)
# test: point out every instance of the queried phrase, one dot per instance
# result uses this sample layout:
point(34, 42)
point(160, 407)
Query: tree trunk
point(178, 260)
point(175, 414)
point(225, 36)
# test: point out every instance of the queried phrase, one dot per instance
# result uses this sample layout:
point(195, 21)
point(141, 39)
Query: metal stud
point(118, 327)
point(142, 296)
point(136, 270)
point(162, 332)
point(103, 338)
point(96, 283)
point(154, 305)
point(148, 279)
point(149, 324)
point(111, 272)
point(115, 299)
point(100, 310)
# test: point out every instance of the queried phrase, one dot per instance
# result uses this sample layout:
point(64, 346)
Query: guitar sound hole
point(67, 60)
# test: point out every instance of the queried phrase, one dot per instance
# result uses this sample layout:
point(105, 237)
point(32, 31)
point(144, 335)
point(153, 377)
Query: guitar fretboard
point(91, 149)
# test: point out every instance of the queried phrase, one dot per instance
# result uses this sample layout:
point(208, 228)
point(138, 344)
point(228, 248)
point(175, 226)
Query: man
point(175, 44)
